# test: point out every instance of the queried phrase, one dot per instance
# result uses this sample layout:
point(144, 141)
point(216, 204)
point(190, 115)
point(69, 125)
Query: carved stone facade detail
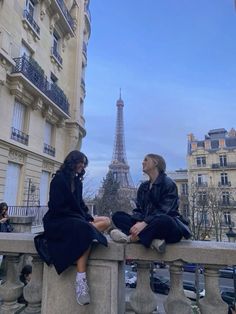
point(16, 156)
point(45, 4)
point(53, 21)
point(48, 166)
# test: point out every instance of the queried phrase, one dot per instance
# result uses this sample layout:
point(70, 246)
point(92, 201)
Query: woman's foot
point(82, 291)
point(159, 245)
point(119, 236)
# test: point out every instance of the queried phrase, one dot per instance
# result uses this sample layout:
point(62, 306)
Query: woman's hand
point(3, 220)
point(137, 228)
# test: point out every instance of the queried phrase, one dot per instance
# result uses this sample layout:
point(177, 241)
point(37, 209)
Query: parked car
point(226, 272)
point(191, 267)
point(228, 296)
point(160, 284)
point(190, 290)
point(130, 279)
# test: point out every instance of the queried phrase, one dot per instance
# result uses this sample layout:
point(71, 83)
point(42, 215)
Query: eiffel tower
point(119, 165)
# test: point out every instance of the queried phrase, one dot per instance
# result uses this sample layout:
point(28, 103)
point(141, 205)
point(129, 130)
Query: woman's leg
point(101, 223)
point(81, 264)
point(123, 221)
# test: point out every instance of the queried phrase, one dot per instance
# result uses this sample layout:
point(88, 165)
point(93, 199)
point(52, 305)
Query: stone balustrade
point(48, 293)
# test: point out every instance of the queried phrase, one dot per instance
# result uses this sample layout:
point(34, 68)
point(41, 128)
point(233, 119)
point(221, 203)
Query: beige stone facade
point(212, 178)
point(180, 177)
point(43, 46)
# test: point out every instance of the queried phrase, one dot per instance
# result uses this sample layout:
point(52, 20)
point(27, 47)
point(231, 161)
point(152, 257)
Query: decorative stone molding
point(37, 104)
point(31, 34)
point(49, 114)
point(61, 123)
point(16, 88)
point(53, 21)
point(48, 166)
point(16, 156)
point(64, 41)
point(45, 4)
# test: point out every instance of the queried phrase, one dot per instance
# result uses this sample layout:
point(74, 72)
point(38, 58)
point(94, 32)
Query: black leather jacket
point(162, 198)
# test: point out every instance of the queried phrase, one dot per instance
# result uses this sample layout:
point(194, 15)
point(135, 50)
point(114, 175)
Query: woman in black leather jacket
point(156, 219)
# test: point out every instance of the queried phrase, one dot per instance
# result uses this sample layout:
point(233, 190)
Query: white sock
point(80, 276)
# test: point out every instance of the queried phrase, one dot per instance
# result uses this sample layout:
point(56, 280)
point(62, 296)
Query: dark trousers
point(161, 227)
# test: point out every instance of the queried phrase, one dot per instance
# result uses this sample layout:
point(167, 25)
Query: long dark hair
point(2, 205)
point(70, 162)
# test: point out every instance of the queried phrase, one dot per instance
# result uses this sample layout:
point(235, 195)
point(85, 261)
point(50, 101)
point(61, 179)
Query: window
point(202, 198)
point(55, 43)
point(53, 78)
point(186, 212)
point(44, 188)
point(48, 133)
point(224, 178)
point(30, 6)
point(12, 184)
point(223, 160)
point(199, 179)
point(25, 51)
point(184, 188)
point(18, 124)
point(201, 161)
point(227, 218)
point(225, 198)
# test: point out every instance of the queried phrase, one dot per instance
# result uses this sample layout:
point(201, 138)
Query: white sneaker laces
point(82, 287)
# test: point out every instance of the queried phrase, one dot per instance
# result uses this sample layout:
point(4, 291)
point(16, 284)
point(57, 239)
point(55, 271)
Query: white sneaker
point(119, 236)
point(82, 292)
point(159, 245)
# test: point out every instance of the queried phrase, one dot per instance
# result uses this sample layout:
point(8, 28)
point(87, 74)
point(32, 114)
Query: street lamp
point(232, 237)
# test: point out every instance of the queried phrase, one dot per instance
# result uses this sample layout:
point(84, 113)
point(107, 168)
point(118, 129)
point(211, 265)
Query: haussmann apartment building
point(43, 46)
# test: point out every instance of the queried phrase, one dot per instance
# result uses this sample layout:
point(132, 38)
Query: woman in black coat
point(69, 228)
point(156, 220)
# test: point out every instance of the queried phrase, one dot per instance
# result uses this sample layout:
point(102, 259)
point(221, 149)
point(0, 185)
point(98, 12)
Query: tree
point(107, 202)
point(207, 204)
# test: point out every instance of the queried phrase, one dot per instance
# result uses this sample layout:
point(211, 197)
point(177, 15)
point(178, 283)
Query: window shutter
point(44, 187)
point(12, 184)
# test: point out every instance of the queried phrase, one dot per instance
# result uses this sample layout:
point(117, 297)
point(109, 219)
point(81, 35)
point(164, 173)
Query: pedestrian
point(69, 228)
point(5, 225)
point(156, 219)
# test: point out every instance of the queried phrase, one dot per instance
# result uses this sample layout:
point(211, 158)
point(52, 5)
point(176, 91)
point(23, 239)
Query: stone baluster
point(142, 299)
point(176, 301)
point(12, 288)
point(33, 290)
point(212, 299)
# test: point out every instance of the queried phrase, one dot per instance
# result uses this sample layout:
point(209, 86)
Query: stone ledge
point(204, 252)
point(208, 252)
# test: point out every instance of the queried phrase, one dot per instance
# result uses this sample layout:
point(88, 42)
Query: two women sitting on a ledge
point(156, 220)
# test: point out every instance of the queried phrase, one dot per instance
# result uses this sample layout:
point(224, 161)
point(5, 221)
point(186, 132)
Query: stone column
point(12, 288)
point(176, 301)
point(33, 290)
point(212, 299)
point(142, 299)
point(21, 223)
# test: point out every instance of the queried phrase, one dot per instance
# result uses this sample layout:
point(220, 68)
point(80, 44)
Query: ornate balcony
point(106, 274)
point(56, 56)
point(228, 165)
point(28, 70)
point(19, 136)
point(27, 16)
point(62, 17)
point(47, 149)
point(224, 184)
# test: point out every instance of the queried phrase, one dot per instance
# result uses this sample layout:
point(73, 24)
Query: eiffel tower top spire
point(119, 166)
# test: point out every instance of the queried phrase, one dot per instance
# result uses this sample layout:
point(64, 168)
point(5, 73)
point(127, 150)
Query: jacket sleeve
point(138, 212)
point(86, 211)
point(165, 201)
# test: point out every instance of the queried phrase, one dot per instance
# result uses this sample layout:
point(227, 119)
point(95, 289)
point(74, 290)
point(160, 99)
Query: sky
point(175, 62)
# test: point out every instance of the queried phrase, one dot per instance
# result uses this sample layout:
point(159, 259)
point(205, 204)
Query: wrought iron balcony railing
point(84, 48)
point(19, 136)
point(35, 75)
point(224, 184)
point(30, 19)
point(88, 12)
point(47, 149)
point(226, 165)
point(56, 55)
point(201, 184)
point(66, 13)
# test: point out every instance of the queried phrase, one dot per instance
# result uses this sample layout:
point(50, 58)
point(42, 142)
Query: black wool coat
point(67, 226)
